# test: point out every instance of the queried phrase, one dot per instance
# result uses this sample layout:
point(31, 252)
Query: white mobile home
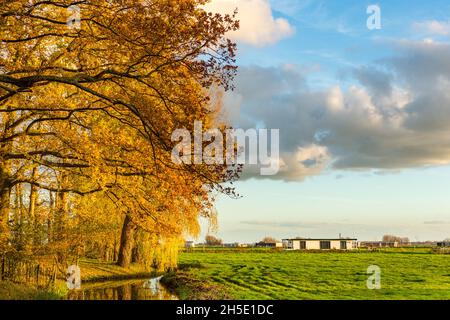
point(320, 244)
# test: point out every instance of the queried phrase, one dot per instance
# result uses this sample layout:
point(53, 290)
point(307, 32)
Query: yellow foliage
point(86, 117)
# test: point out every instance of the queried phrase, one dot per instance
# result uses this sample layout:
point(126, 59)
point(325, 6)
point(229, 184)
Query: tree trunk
point(4, 217)
point(32, 219)
point(50, 216)
point(5, 187)
point(60, 212)
point(126, 243)
point(18, 218)
point(135, 255)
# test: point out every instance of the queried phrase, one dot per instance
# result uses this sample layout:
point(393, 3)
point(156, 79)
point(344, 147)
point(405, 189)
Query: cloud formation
point(433, 27)
point(436, 222)
point(394, 116)
point(297, 224)
point(258, 26)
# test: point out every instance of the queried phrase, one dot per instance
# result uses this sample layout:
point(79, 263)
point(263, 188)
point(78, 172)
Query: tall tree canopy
point(87, 111)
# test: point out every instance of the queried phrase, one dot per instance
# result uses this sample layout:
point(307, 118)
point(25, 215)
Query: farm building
point(231, 245)
point(189, 244)
point(320, 244)
point(443, 244)
point(269, 245)
point(378, 244)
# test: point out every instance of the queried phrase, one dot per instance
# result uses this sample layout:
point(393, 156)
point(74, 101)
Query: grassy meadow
point(270, 274)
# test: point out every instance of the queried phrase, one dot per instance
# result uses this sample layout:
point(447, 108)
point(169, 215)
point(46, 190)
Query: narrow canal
point(150, 289)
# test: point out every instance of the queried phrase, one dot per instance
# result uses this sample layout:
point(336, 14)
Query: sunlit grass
point(94, 270)
point(16, 291)
point(406, 274)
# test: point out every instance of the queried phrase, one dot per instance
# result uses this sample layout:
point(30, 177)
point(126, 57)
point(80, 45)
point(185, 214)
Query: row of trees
point(86, 117)
point(392, 238)
point(211, 240)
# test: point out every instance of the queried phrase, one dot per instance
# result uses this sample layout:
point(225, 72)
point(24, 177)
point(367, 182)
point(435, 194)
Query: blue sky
point(380, 95)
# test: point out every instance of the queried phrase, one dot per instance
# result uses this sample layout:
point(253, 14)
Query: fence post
point(37, 274)
point(3, 268)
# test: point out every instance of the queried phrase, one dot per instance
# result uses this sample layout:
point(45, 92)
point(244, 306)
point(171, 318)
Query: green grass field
point(268, 274)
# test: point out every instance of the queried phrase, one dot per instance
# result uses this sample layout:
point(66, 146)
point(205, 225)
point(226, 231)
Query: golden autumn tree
point(87, 110)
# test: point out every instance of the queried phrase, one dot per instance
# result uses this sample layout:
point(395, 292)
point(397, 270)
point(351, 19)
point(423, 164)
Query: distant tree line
point(213, 241)
point(392, 238)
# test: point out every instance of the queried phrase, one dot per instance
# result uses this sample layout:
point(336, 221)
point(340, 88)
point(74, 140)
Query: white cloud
point(433, 27)
point(306, 161)
point(258, 26)
point(394, 116)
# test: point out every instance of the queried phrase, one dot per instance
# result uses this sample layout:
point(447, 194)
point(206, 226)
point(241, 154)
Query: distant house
point(378, 244)
point(320, 244)
point(232, 245)
point(269, 245)
point(443, 244)
point(423, 244)
point(189, 244)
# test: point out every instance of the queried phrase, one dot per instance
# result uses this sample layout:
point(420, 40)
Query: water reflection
point(150, 289)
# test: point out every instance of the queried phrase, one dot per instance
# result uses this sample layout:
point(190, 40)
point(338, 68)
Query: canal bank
point(108, 281)
point(188, 287)
point(99, 281)
point(131, 289)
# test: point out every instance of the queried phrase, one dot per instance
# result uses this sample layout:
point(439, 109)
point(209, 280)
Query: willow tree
point(96, 101)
